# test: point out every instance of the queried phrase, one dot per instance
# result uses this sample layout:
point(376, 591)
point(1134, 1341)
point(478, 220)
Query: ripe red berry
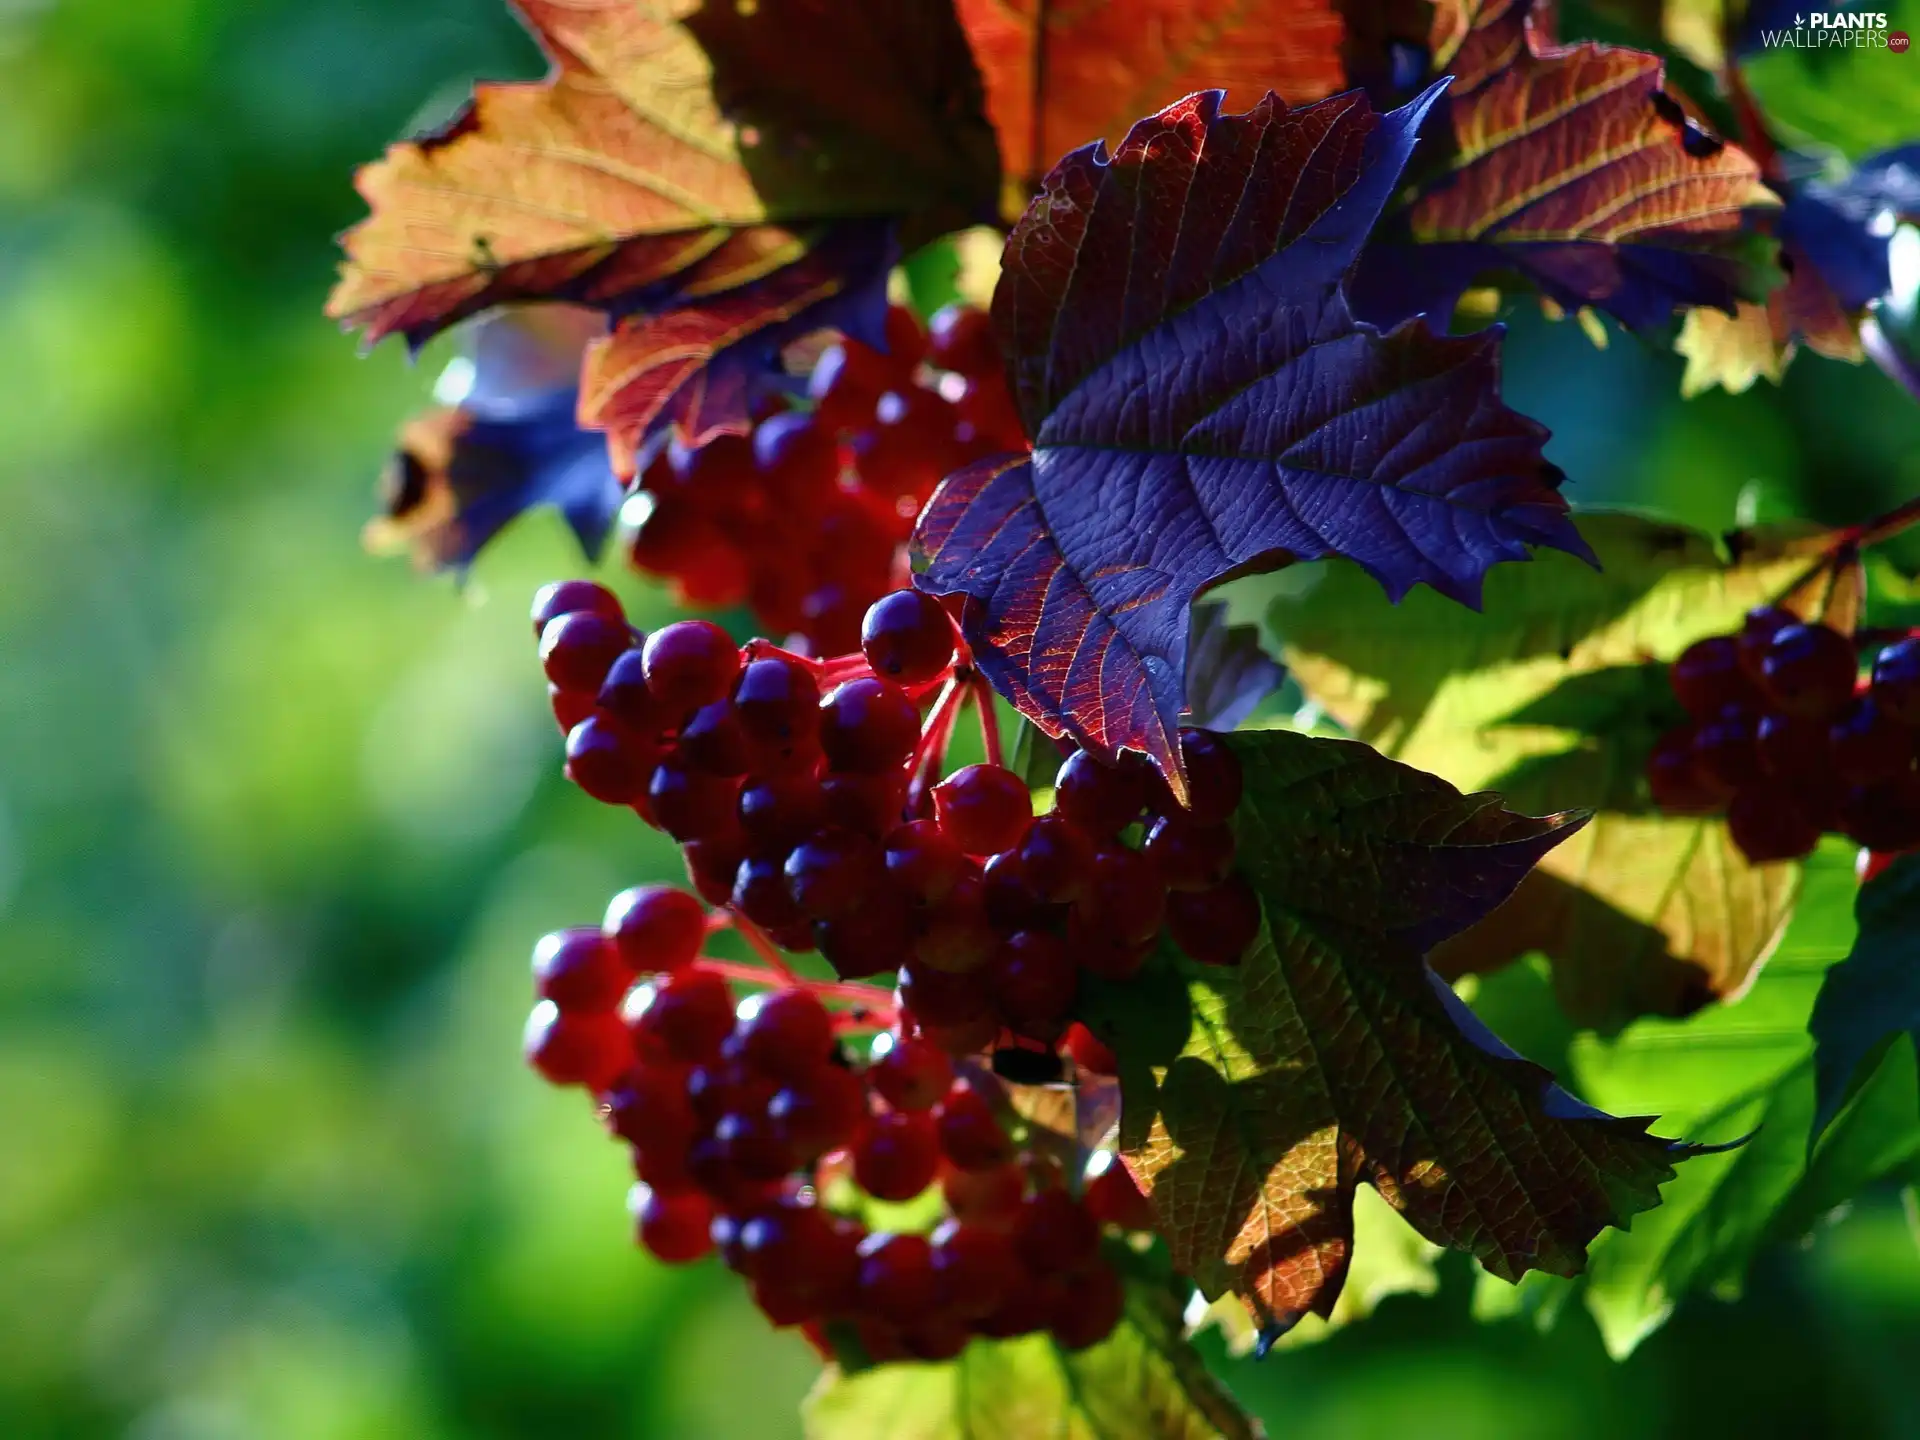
point(1097, 1301)
point(1055, 1234)
point(624, 695)
point(712, 864)
point(975, 1268)
point(970, 1133)
point(1756, 634)
point(778, 812)
point(675, 1226)
point(1213, 777)
point(958, 935)
point(1188, 856)
point(923, 861)
point(591, 1049)
point(1127, 894)
point(1056, 860)
point(689, 1015)
point(577, 650)
point(1896, 681)
point(819, 1112)
point(1676, 782)
point(1792, 747)
point(872, 939)
point(649, 1108)
point(1100, 798)
point(1725, 749)
point(910, 1073)
point(868, 726)
point(655, 927)
point(1768, 824)
point(1111, 1197)
point(692, 804)
point(688, 664)
point(896, 1155)
point(1089, 1052)
point(943, 997)
point(984, 808)
point(1215, 927)
point(907, 637)
point(760, 893)
point(753, 1146)
point(896, 1277)
point(1885, 816)
point(784, 1033)
point(712, 740)
point(1033, 979)
point(960, 337)
point(1808, 670)
point(1866, 745)
point(797, 459)
point(568, 597)
point(870, 804)
point(1708, 677)
point(579, 971)
point(607, 761)
point(831, 873)
point(778, 704)
point(989, 1196)
point(569, 707)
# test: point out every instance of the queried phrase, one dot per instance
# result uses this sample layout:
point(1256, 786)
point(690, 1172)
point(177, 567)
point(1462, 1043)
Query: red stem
point(989, 718)
point(931, 753)
point(764, 947)
point(872, 1001)
point(1875, 532)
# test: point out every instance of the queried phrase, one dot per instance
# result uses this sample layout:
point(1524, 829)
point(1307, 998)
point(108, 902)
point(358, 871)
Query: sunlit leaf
point(1144, 1382)
point(1553, 696)
point(1201, 403)
point(1332, 1056)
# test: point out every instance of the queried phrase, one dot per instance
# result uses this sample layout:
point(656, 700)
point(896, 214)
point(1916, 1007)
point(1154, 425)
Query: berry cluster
point(818, 818)
point(754, 1131)
point(848, 475)
point(1791, 741)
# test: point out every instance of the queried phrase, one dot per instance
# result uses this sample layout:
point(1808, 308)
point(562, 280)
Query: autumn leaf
point(1331, 1055)
point(1144, 1382)
point(1061, 76)
point(1554, 695)
point(1202, 403)
point(1571, 167)
point(682, 158)
point(1873, 996)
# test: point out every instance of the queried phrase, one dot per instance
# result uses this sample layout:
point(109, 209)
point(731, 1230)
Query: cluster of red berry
point(822, 821)
point(754, 1132)
point(848, 476)
point(1791, 741)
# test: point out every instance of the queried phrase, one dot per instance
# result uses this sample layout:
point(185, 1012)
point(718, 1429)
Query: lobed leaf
point(1572, 167)
point(1202, 403)
point(1873, 996)
point(1228, 674)
point(1331, 1055)
point(1554, 696)
point(1058, 76)
point(1144, 1382)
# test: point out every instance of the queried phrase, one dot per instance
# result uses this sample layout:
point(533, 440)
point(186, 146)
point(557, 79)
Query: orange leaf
point(1092, 67)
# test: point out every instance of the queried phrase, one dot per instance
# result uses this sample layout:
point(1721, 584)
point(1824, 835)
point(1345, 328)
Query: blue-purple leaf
point(1228, 674)
point(1203, 403)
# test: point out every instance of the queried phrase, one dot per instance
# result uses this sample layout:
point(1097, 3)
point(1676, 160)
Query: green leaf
point(1256, 1098)
point(1144, 1382)
point(1735, 1070)
point(932, 274)
point(1553, 694)
point(1857, 101)
point(1874, 994)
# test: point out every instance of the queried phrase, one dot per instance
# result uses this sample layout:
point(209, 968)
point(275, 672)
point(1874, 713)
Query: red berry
point(1768, 824)
point(753, 1146)
point(896, 1277)
point(1127, 896)
point(624, 695)
point(975, 1268)
point(1867, 745)
point(940, 1338)
point(1101, 951)
point(691, 804)
point(906, 341)
point(970, 1132)
point(966, 1037)
point(797, 459)
point(579, 971)
point(675, 1226)
point(569, 597)
point(1056, 860)
point(868, 726)
point(923, 862)
point(942, 997)
point(778, 704)
point(721, 1086)
point(1100, 798)
point(655, 927)
point(1213, 777)
point(1215, 927)
point(713, 741)
point(649, 1108)
point(1792, 747)
point(784, 1033)
point(689, 1015)
point(577, 650)
point(688, 664)
point(1055, 1234)
point(819, 1112)
point(607, 761)
point(1033, 979)
point(989, 1196)
point(907, 637)
point(984, 808)
point(896, 1155)
point(802, 1256)
point(778, 812)
point(958, 935)
point(1112, 1198)
point(760, 893)
point(1896, 681)
point(872, 939)
point(1725, 751)
point(832, 873)
point(1189, 857)
point(1096, 1302)
point(1089, 1052)
point(846, 380)
point(1708, 677)
point(1675, 782)
point(1756, 634)
point(1808, 670)
point(570, 707)
point(712, 864)
point(869, 805)
point(910, 1073)
point(960, 337)
point(590, 1049)
point(1885, 816)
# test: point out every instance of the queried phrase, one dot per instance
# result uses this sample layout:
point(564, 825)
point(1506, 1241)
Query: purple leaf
point(1228, 674)
point(1203, 403)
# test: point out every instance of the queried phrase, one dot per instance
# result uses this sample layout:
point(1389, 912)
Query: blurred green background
point(279, 822)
